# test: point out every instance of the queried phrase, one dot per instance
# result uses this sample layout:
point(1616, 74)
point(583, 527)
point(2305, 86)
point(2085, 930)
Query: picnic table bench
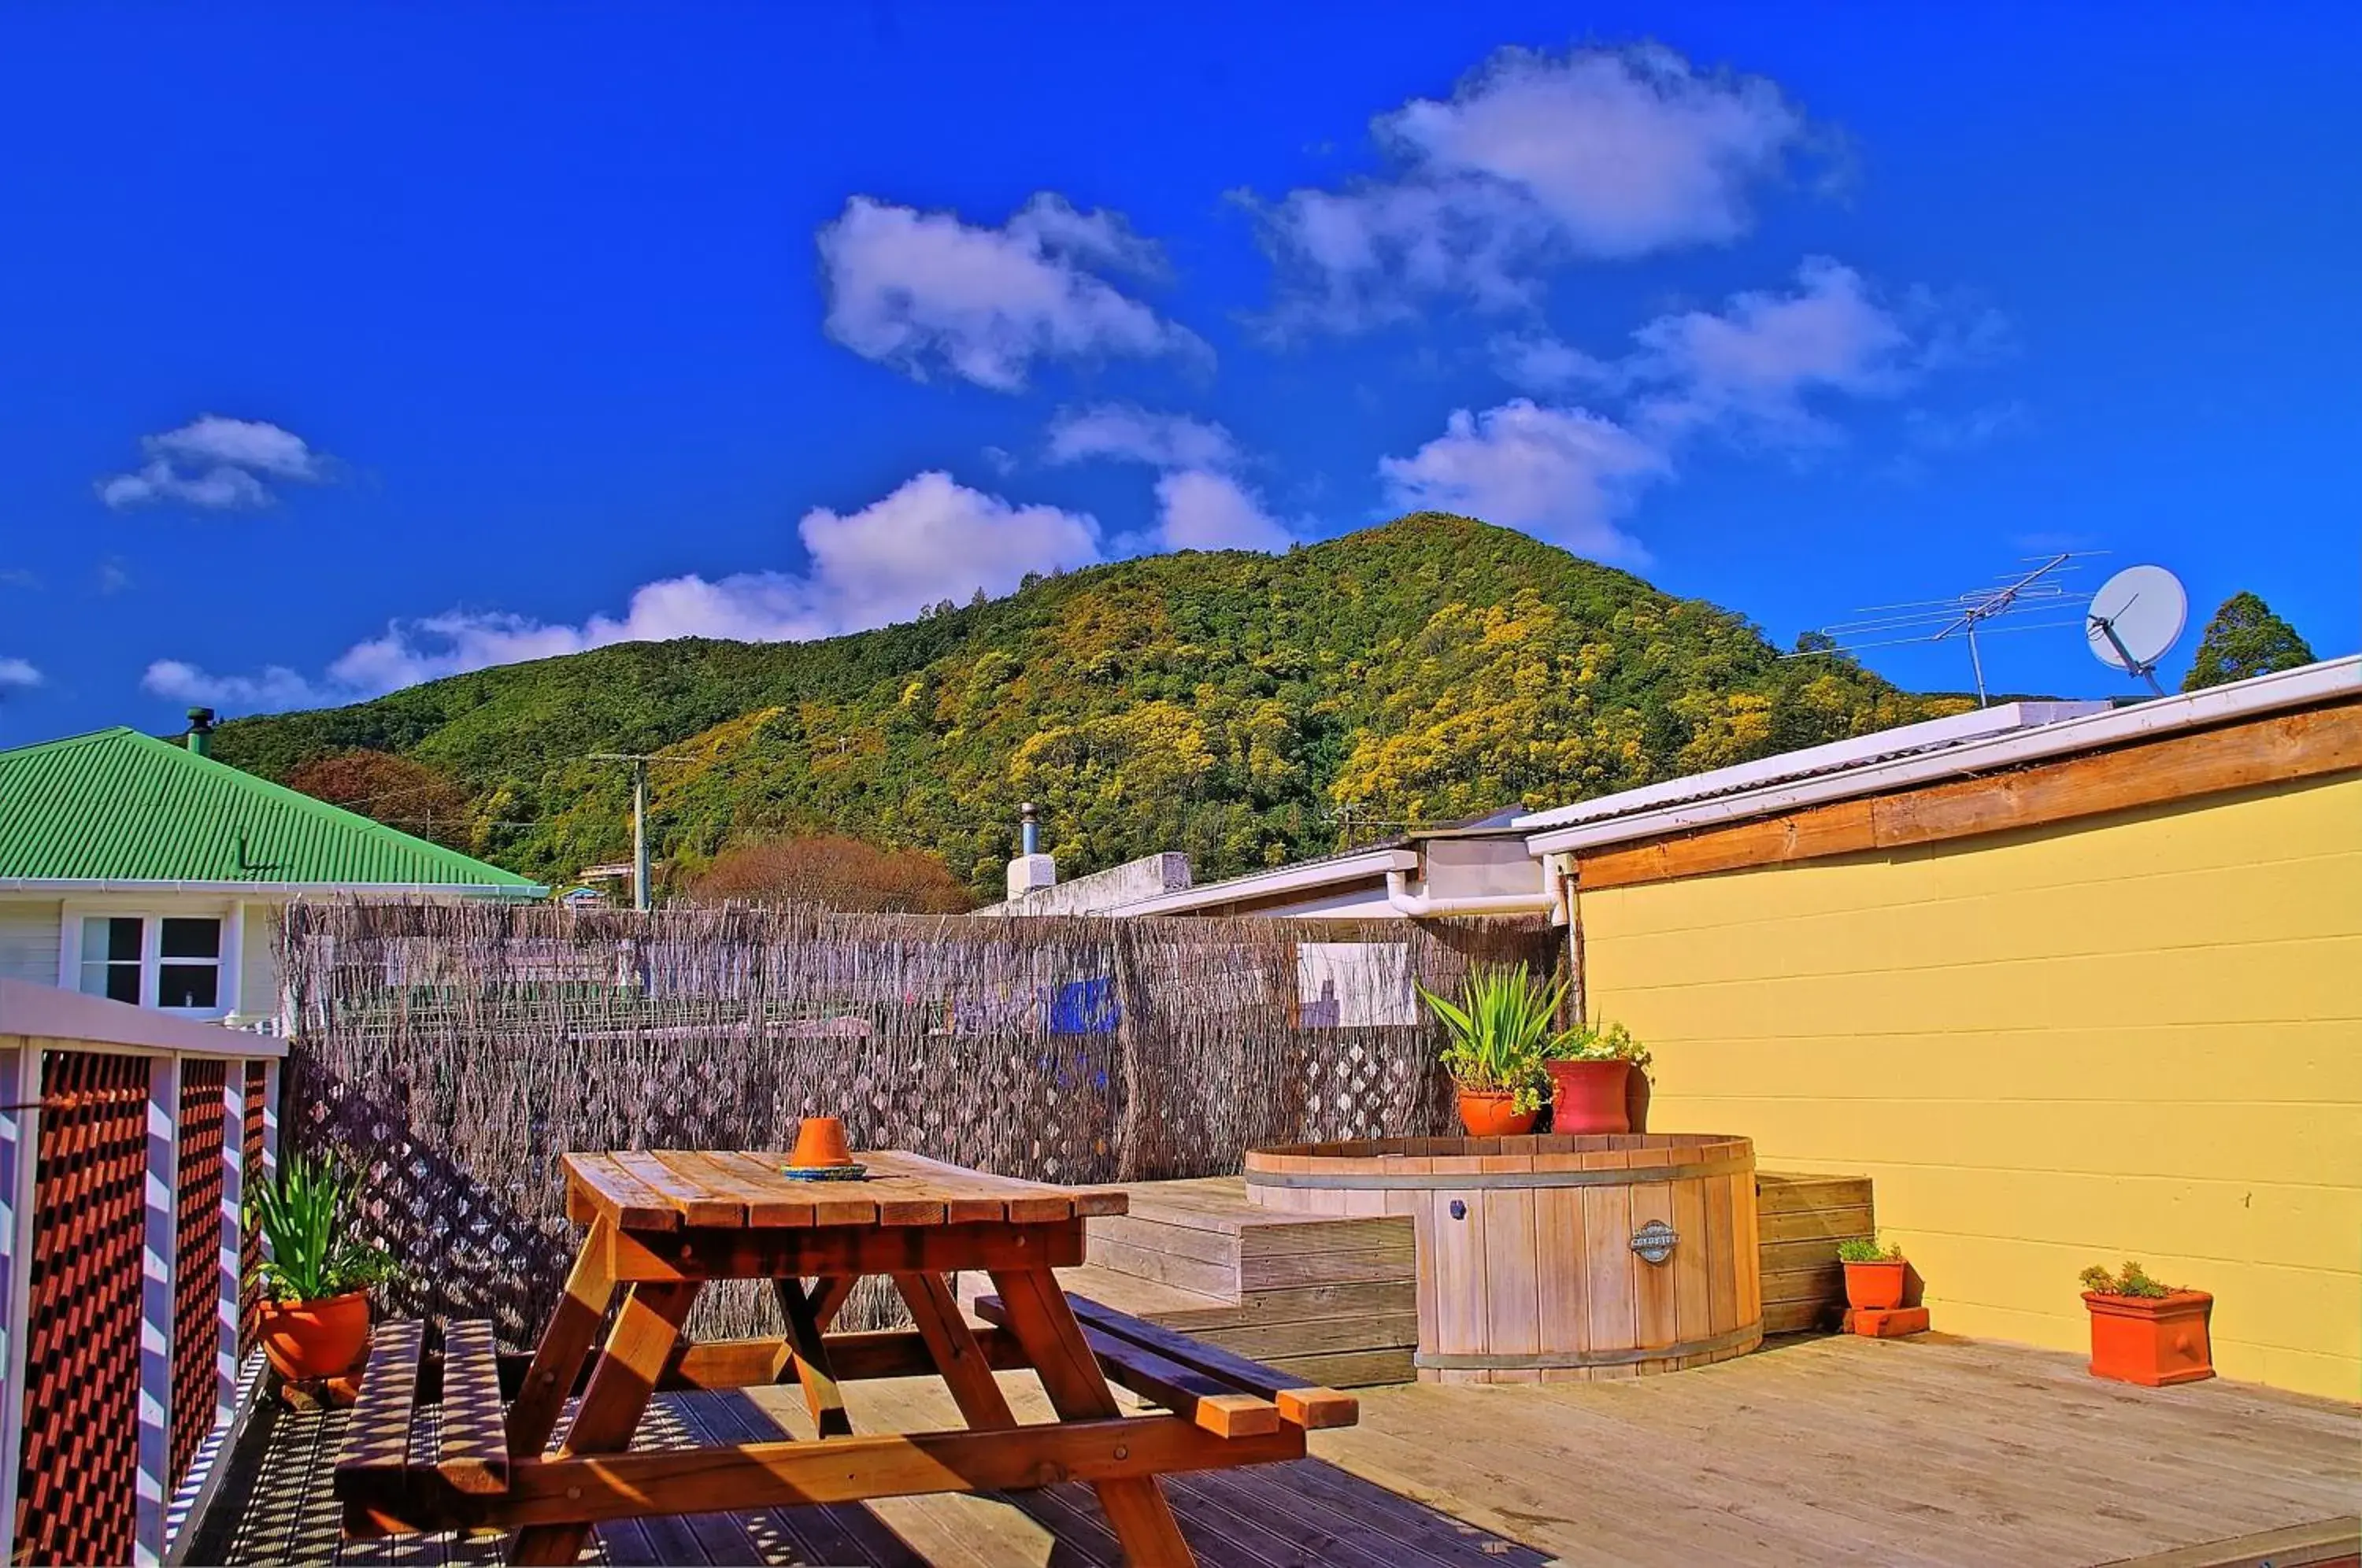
point(461, 1440)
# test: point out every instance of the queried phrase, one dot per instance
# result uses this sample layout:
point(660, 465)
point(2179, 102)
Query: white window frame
point(230, 959)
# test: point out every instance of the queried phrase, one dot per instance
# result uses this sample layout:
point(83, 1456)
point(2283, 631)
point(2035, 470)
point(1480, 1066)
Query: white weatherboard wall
point(29, 940)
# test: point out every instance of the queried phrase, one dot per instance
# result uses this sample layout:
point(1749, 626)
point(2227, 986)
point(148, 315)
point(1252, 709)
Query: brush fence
point(452, 1053)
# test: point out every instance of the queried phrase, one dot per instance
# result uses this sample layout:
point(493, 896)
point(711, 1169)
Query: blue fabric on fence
point(1085, 1007)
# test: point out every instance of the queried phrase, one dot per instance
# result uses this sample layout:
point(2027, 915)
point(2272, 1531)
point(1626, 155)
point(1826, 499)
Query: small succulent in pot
point(313, 1285)
point(1874, 1277)
point(2146, 1332)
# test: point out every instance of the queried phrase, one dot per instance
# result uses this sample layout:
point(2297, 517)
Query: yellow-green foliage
point(1228, 705)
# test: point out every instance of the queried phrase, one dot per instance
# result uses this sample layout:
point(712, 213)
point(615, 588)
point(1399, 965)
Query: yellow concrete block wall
point(2138, 1035)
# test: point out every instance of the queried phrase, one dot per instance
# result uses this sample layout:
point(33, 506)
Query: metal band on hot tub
point(1404, 1181)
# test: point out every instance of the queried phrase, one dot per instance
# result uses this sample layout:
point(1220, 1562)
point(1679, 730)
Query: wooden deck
point(1932, 1451)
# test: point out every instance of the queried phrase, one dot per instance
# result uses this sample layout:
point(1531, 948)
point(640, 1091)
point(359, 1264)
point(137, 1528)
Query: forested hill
point(1229, 705)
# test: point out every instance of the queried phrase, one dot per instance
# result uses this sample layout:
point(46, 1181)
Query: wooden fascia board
point(2145, 773)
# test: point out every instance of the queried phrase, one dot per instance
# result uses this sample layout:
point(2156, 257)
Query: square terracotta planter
point(2152, 1340)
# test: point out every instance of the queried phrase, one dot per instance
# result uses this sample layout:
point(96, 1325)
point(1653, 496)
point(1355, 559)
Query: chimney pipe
point(200, 731)
point(1029, 829)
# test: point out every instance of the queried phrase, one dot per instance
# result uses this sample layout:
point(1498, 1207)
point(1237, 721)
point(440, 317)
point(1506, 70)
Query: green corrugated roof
point(119, 806)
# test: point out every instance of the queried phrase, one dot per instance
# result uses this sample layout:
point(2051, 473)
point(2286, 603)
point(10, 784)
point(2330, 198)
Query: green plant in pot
point(1501, 1028)
point(1590, 1067)
point(313, 1317)
point(2146, 1332)
point(1874, 1277)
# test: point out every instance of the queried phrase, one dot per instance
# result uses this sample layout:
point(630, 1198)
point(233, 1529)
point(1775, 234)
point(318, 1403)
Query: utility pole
point(640, 899)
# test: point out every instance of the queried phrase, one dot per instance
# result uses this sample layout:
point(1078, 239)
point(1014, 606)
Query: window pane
point(187, 985)
point(115, 938)
point(191, 939)
point(118, 982)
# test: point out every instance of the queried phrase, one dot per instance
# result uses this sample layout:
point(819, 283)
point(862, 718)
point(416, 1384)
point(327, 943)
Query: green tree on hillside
point(2245, 638)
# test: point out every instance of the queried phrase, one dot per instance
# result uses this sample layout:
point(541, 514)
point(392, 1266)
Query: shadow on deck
point(277, 1507)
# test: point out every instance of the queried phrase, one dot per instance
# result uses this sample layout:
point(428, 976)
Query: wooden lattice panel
point(196, 1275)
point(77, 1490)
point(250, 1242)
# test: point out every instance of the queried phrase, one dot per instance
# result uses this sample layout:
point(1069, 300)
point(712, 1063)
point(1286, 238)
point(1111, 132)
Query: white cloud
point(1750, 369)
point(1124, 431)
point(216, 463)
point(1753, 362)
point(275, 688)
point(925, 292)
point(1535, 160)
point(17, 675)
point(1563, 474)
point(1201, 510)
point(930, 539)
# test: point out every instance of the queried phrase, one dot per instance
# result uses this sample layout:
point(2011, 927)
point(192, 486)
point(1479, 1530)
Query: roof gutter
point(1416, 906)
point(2310, 685)
point(358, 889)
point(1269, 884)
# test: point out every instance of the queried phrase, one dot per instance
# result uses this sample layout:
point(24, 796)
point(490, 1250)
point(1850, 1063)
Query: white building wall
point(28, 939)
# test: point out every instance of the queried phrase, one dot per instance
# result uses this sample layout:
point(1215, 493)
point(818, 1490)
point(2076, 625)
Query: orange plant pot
point(2151, 1341)
point(1590, 1097)
point(305, 1340)
point(1493, 1114)
point(819, 1143)
point(1874, 1287)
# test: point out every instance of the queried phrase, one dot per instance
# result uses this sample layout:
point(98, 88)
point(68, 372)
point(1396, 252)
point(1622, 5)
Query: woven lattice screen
point(455, 1052)
point(77, 1490)
point(196, 1278)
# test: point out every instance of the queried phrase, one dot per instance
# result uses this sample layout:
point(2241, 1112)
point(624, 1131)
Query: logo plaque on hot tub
point(1654, 1241)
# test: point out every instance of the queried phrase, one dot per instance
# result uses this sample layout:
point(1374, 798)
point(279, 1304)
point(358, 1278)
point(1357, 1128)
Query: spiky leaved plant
point(301, 1219)
point(1503, 1027)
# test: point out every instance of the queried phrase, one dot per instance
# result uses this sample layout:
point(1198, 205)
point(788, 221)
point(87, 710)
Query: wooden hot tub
point(1554, 1257)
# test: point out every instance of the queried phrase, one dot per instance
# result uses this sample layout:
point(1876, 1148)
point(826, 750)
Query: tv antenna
point(2134, 620)
point(2029, 598)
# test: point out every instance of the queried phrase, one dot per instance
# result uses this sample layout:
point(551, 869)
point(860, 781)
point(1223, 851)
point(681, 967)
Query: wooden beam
point(1301, 1403)
point(809, 1356)
point(746, 1476)
point(1135, 1506)
point(1209, 1402)
point(848, 1250)
point(2282, 748)
point(565, 1345)
point(957, 1358)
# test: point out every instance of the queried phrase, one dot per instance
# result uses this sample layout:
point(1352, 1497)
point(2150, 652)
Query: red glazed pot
point(1492, 1113)
point(2151, 1341)
point(306, 1339)
point(1590, 1097)
point(1874, 1287)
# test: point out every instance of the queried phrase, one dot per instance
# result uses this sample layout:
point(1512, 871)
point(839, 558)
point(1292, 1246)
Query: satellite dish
point(2135, 619)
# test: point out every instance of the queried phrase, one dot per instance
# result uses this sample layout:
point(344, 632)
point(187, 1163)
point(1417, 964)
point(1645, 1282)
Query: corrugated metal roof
point(119, 806)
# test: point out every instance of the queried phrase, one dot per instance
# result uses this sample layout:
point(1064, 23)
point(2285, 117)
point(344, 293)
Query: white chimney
point(1031, 871)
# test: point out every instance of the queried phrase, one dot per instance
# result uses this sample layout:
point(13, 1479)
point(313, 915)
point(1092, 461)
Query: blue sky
point(341, 346)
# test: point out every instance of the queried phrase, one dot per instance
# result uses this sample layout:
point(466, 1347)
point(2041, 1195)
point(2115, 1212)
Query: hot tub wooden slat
point(1655, 1315)
point(1692, 1290)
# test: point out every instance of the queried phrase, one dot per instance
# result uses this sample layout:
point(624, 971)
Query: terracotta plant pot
point(306, 1339)
point(1492, 1113)
point(820, 1142)
point(2152, 1340)
point(1875, 1286)
point(1590, 1097)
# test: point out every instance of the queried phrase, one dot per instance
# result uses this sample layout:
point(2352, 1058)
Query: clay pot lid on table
point(821, 1153)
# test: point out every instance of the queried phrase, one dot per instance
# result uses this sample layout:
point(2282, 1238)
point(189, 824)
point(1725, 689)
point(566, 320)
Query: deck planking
point(1920, 1451)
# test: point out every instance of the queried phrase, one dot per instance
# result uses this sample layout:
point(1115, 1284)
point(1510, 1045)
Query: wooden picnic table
point(660, 1224)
